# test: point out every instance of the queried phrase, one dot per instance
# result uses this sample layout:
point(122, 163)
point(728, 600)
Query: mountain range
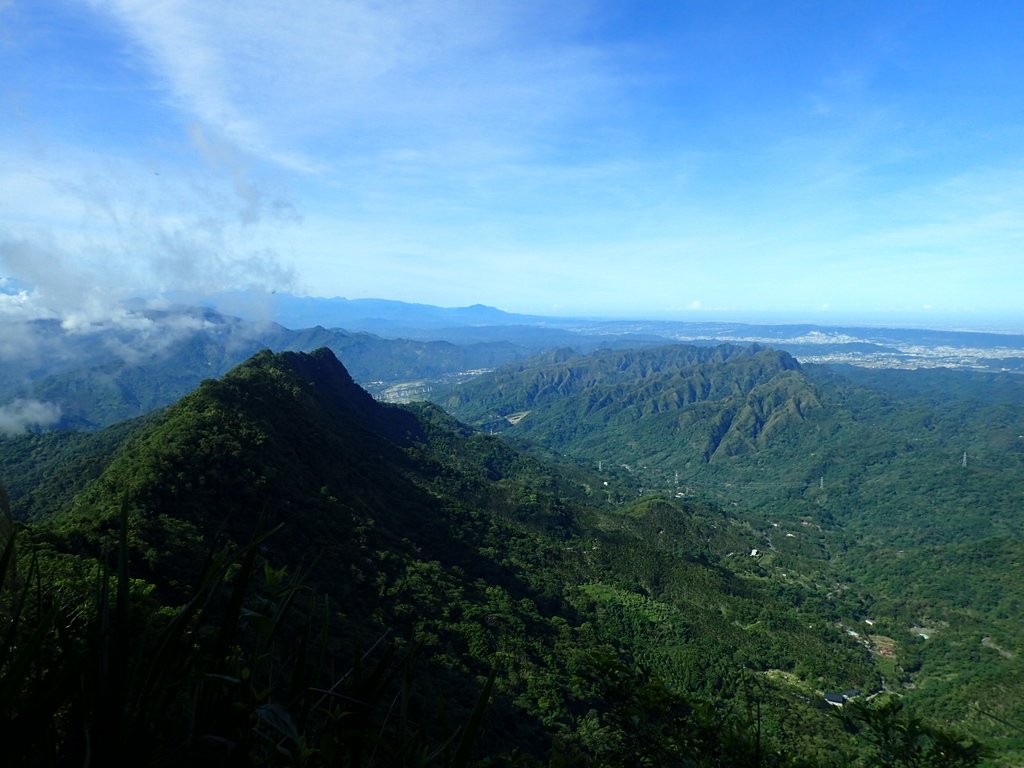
point(666, 553)
point(93, 375)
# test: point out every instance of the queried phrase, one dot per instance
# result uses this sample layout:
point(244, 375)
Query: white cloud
point(21, 305)
point(21, 348)
point(87, 233)
point(22, 415)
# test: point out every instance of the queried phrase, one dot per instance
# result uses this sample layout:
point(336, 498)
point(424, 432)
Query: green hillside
point(713, 402)
point(280, 570)
point(903, 486)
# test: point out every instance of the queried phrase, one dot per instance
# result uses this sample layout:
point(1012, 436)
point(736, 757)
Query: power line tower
point(964, 462)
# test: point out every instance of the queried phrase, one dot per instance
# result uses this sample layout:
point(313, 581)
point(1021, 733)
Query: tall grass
point(229, 677)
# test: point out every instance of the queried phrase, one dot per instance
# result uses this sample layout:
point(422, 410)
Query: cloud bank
point(20, 416)
point(117, 230)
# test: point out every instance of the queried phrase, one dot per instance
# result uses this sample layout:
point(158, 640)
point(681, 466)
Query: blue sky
point(811, 160)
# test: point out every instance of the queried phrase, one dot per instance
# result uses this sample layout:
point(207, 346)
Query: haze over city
point(805, 161)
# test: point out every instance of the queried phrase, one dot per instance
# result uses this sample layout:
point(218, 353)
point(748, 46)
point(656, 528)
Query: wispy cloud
point(85, 234)
point(285, 82)
point(21, 415)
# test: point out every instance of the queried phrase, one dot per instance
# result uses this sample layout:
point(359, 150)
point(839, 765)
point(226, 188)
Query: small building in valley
point(835, 699)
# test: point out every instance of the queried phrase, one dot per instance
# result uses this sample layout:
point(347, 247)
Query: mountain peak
point(317, 378)
point(268, 435)
point(321, 366)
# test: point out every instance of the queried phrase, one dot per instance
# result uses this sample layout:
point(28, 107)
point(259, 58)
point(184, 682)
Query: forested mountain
point(82, 374)
point(712, 402)
point(910, 481)
point(95, 377)
point(385, 586)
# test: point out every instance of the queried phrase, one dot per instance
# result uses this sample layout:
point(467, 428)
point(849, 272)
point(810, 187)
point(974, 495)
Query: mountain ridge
point(756, 392)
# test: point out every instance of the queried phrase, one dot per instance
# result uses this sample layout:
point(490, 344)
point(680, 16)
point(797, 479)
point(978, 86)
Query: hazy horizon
point(257, 304)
